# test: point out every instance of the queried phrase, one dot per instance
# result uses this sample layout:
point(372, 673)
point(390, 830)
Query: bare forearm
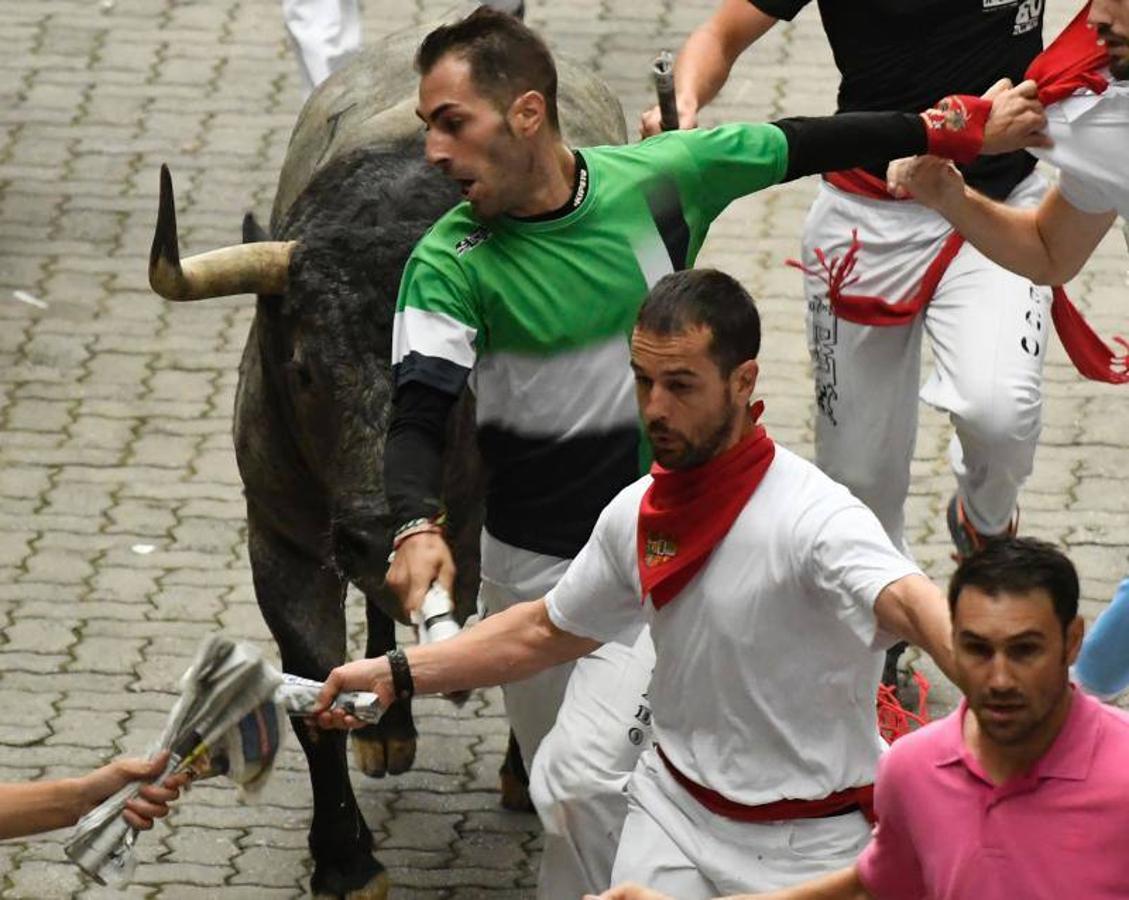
point(1048, 244)
point(1004, 234)
point(39, 806)
point(708, 55)
point(505, 647)
point(841, 885)
point(701, 69)
point(914, 609)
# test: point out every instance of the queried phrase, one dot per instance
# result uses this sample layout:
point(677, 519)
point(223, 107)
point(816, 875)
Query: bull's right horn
point(259, 268)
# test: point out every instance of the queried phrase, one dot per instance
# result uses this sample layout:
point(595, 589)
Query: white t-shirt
point(769, 659)
point(1091, 148)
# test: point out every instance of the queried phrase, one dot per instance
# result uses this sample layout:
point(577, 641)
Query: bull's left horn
point(259, 268)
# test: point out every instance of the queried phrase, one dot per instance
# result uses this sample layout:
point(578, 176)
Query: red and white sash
point(1073, 62)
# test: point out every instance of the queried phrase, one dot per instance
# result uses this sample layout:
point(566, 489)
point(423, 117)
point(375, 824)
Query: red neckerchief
point(684, 513)
point(1074, 61)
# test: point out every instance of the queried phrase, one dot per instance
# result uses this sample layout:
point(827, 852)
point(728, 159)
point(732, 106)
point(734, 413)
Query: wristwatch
point(402, 686)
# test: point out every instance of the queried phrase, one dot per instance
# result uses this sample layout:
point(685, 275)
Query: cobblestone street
point(122, 537)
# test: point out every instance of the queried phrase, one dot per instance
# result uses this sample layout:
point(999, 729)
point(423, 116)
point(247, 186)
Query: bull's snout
point(360, 549)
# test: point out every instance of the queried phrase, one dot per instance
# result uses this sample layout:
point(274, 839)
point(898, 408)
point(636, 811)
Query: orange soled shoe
point(966, 538)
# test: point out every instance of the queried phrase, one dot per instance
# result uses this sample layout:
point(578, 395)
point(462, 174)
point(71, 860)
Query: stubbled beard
point(705, 450)
point(1118, 65)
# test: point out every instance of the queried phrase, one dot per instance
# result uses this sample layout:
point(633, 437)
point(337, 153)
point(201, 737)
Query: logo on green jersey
point(472, 240)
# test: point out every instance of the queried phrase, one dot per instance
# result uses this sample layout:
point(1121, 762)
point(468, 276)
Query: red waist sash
point(1091, 356)
point(779, 810)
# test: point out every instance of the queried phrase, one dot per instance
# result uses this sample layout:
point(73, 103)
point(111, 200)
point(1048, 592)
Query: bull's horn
point(259, 268)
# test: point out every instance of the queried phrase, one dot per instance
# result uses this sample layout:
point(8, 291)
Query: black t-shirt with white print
point(907, 54)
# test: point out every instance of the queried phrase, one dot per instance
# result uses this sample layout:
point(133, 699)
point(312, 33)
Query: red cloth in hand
point(1073, 61)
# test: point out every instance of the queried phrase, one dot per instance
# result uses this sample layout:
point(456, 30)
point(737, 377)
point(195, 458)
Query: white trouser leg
point(989, 330)
point(667, 829)
point(532, 703)
point(865, 388)
point(325, 34)
point(648, 856)
point(579, 776)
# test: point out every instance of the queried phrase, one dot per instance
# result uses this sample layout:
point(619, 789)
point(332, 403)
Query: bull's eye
point(300, 372)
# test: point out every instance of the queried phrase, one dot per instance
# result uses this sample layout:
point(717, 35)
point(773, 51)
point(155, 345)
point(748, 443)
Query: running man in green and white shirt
point(529, 290)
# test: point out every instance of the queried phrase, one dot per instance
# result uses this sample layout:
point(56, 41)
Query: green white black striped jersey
point(538, 315)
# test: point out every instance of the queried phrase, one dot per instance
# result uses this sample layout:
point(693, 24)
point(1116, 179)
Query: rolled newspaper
point(298, 696)
point(435, 617)
point(227, 721)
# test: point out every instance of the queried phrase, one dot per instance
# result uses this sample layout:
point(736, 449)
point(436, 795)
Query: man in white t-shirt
point(771, 593)
point(1090, 131)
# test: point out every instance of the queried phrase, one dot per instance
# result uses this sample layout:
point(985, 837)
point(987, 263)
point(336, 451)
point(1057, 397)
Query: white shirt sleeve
point(599, 596)
point(1090, 133)
point(1083, 195)
point(850, 560)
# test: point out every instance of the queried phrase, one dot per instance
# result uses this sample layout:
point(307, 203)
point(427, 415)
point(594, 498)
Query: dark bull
point(312, 403)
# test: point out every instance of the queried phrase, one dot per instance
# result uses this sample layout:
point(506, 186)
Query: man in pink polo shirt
point(1021, 792)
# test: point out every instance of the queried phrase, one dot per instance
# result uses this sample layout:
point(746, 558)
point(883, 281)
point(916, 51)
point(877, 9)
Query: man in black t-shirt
point(987, 326)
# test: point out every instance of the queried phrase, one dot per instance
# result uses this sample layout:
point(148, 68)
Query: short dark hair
point(505, 55)
point(1019, 565)
point(705, 297)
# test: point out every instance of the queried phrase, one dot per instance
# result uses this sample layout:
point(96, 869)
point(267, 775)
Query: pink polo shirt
point(1060, 831)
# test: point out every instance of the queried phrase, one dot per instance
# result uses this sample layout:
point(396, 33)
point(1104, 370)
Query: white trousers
point(325, 34)
point(581, 727)
point(676, 846)
point(579, 777)
point(988, 329)
point(532, 703)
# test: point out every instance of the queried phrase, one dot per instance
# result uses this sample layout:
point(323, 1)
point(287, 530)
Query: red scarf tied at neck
point(685, 513)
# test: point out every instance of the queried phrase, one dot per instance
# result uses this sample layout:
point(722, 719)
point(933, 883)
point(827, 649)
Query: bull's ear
point(253, 232)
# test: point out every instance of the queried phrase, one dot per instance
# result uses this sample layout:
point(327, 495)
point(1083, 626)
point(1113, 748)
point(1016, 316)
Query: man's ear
point(1075, 631)
point(527, 114)
point(744, 379)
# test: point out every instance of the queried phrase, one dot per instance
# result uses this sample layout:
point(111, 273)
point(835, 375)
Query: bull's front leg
point(388, 747)
point(302, 602)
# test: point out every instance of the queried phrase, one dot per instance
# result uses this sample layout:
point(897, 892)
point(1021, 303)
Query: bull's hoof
point(389, 746)
point(337, 885)
point(515, 793)
point(378, 756)
point(377, 889)
point(378, 753)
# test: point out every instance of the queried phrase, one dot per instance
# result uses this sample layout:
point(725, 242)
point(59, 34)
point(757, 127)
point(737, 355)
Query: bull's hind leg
point(388, 747)
point(514, 780)
point(303, 604)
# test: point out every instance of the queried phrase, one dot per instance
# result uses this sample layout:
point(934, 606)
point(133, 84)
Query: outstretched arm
point(841, 885)
point(505, 647)
point(953, 129)
point(37, 806)
point(1048, 244)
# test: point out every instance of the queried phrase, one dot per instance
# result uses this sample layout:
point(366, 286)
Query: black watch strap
point(402, 685)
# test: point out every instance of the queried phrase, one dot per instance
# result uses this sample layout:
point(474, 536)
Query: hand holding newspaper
point(227, 721)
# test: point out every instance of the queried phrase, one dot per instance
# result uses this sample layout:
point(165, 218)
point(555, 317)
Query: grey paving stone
point(43, 881)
